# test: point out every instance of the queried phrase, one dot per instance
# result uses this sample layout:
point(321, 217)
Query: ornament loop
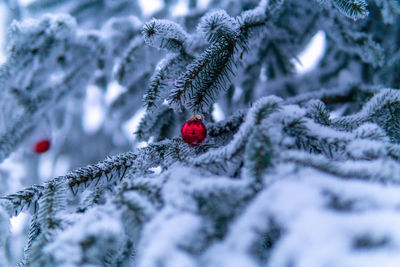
point(196, 117)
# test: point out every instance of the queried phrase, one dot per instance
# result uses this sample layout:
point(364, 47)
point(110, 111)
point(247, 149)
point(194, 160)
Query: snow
point(309, 58)
point(218, 114)
point(94, 112)
point(365, 149)
point(138, 200)
point(18, 223)
point(45, 169)
point(150, 6)
point(203, 3)
point(317, 236)
point(181, 8)
point(216, 21)
point(26, 2)
point(165, 30)
point(314, 233)
point(164, 239)
point(178, 227)
point(130, 126)
point(101, 223)
point(114, 89)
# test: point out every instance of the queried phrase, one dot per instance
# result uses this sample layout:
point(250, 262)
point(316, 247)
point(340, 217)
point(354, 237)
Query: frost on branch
point(354, 9)
point(46, 222)
point(292, 153)
point(218, 25)
point(165, 34)
point(212, 71)
point(167, 71)
point(95, 238)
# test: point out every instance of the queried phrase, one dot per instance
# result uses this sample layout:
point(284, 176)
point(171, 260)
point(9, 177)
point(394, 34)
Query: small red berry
point(42, 146)
point(194, 131)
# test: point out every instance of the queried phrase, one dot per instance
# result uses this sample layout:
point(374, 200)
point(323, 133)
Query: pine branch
point(152, 92)
point(270, 6)
point(218, 25)
point(382, 109)
point(51, 203)
point(317, 110)
point(119, 256)
point(228, 126)
point(74, 180)
point(336, 95)
point(260, 239)
point(354, 9)
point(207, 75)
point(211, 72)
point(166, 72)
point(353, 41)
point(371, 131)
point(139, 201)
point(106, 171)
point(156, 124)
point(128, 70)
point(386, 171)
point(221, 200)
point(14, 136)
point(53, 200)
point(121, 31)
point(260, 110)
point(100, 238)
point(165, 34)
point(258, 153)
point(34, 232)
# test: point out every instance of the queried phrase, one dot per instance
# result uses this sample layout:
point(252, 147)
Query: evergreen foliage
point(302, 170)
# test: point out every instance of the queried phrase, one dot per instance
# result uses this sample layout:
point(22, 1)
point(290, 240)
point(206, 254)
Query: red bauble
point(194, 131)
point(42, 146)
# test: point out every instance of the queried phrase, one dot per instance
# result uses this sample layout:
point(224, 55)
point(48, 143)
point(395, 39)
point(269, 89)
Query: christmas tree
point(240, 157)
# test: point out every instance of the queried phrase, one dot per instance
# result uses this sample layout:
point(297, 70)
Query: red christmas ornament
point(194, 131)
point(42, 146)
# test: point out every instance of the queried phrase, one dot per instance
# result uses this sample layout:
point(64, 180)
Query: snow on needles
point(322, 222)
